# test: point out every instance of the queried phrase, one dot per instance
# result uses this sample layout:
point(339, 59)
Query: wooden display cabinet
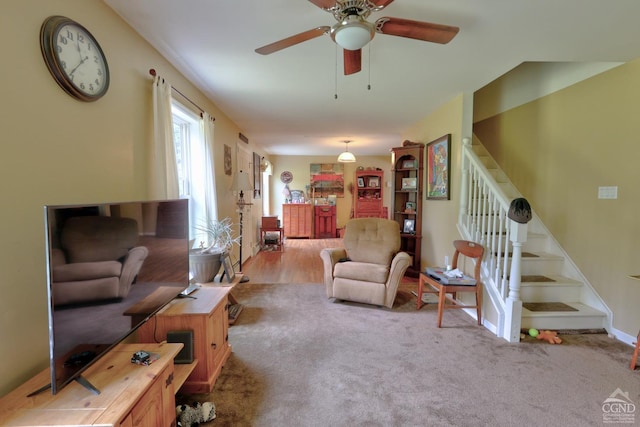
point(368, 195)
point(298, 220)
point(207, 316)
point(325, 221)
point(408, 164)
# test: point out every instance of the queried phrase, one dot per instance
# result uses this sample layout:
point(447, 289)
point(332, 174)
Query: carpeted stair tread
point(548, 306)
point(536, 278)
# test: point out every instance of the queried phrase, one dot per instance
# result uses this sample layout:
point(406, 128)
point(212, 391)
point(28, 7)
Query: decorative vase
point(204, 266)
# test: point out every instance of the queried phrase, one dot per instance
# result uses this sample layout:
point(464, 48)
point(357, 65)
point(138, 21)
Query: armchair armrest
point(131, 267)
point(330, 257)
point(401, 261)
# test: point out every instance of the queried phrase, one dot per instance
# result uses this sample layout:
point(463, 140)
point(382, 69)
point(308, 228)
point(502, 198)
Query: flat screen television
point(110, 267)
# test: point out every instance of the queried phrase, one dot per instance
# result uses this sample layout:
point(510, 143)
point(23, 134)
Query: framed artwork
point(326, 179)
point(408, 164)
point(228, 266)
point(409, 226)
point(228, 169)
point(257, 177)
point(438, 165)
point(374, 181)
point(409, 183)
point(360, 182)
point(410, 206)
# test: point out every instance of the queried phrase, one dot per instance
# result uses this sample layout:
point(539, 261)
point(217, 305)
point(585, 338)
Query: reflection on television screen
point(110, 267)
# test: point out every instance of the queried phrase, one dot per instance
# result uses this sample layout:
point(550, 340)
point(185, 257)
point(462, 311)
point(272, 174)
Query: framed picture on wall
point(438, 168)
point(257, 177)
point(227, 160)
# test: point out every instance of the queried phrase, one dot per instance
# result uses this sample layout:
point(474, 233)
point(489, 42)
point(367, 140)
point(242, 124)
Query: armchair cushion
point(370, 241)
point(86, 271)
point(362, 271)
point(98, 238)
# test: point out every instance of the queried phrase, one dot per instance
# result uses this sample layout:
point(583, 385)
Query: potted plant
point(215, 238)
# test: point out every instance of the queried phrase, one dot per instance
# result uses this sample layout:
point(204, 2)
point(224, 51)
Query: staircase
point(543, 273)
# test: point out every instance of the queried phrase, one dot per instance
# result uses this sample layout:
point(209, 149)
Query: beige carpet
point(300, 359)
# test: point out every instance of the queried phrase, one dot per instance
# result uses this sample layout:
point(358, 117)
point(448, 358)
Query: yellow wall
point(56, 150)
point(558, 150)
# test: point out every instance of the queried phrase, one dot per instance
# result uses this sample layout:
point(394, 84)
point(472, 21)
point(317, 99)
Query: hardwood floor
point(299, 262)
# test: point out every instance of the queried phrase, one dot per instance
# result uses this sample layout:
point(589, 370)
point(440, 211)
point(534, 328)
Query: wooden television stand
point(130, 394)
point(207, 316)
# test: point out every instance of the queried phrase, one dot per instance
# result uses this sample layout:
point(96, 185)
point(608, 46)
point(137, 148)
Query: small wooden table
point(279, 230)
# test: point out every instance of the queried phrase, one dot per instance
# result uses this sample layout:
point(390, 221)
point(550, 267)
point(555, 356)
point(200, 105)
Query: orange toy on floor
point(550, 336)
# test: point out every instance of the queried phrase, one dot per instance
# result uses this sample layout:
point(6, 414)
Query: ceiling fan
point(353, 31)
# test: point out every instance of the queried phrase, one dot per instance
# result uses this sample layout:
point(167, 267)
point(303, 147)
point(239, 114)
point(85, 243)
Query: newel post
point(520, 215)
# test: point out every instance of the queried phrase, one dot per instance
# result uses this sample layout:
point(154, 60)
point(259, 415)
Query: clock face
point(286, 177)
point(74, 58)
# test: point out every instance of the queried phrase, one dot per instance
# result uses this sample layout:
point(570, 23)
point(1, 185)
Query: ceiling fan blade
point(381, 4)
point(352, 61)
point(325, 4)
point(293, 40)
point(418, 30)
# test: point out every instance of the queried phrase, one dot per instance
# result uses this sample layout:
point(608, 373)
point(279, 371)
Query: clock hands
point(82, 60)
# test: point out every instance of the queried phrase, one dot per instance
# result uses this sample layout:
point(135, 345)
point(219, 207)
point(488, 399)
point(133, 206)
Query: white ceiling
point(285, 101)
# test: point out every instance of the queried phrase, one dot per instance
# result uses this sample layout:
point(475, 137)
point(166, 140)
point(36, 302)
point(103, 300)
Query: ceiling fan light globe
point(353, 33)
point(346, 157)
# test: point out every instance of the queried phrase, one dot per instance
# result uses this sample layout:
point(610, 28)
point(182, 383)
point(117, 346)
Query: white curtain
point(211, 206)
point(163, 183)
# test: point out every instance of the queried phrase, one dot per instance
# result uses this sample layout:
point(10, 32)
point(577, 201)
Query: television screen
point(110, 267)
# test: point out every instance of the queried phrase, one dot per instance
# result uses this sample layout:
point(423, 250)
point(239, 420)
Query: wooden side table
point(279, 230)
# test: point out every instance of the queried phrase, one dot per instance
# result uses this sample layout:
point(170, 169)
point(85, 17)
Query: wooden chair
point(634, 358)
point(447, 293)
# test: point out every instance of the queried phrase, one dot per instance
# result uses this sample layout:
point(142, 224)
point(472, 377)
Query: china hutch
point(368, 194)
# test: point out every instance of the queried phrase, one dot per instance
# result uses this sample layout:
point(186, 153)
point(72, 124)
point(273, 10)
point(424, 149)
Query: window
point(191, 163)
point(182, 137)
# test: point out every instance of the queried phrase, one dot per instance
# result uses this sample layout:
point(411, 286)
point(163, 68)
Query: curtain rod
point(153, 73)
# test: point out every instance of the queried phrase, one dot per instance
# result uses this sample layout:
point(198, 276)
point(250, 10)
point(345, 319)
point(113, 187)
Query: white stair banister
point(483, 218)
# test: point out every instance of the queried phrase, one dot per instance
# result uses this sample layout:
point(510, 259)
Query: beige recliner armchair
point(97, 260)
point(369, 268)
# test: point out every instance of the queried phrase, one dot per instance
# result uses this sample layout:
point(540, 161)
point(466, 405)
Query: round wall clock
point(74, 58)
point(286, 177)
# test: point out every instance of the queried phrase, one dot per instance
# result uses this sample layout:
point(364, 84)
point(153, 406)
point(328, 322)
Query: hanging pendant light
point(346, 156)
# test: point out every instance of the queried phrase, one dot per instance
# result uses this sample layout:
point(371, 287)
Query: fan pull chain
point(369, 70)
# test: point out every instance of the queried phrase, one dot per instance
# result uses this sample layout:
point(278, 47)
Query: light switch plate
point(608, 192)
